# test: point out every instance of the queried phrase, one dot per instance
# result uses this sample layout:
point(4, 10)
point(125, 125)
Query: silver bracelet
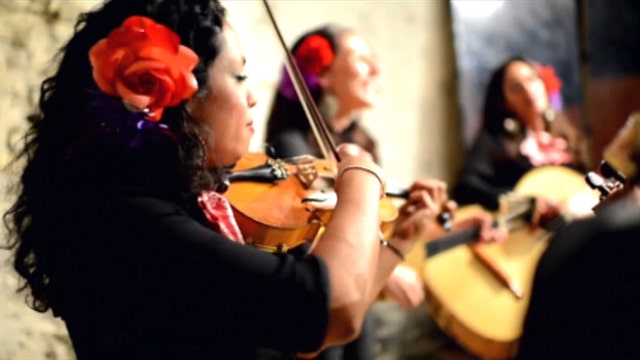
point(383, 189)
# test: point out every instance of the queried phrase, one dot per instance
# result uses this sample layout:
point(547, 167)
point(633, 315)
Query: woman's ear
point(324, 80)
point(190, 105)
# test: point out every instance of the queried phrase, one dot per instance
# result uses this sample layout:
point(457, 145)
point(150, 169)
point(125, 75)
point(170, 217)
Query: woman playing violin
point(522, 128)
point(341, 72)
point(120, 226)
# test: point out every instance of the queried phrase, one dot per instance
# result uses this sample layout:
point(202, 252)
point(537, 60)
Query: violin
point(274, 201)
point(276, 205)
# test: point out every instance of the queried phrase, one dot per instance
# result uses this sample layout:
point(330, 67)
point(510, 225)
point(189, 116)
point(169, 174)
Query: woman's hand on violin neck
point(437, 190)
point(417, 218)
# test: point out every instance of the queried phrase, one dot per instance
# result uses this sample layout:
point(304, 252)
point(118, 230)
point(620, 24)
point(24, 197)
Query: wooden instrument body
point(275, 216)
point(466, 300)
point(279, 215)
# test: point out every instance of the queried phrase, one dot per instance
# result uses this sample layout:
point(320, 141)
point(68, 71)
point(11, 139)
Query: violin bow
point(318, 125)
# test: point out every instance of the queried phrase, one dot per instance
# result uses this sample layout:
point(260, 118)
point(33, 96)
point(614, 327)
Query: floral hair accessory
point(313, 56)
point(143, 63)
point(552, 84)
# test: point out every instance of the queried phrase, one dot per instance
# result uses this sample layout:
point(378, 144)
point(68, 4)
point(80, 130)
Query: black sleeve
point(214, 287)
point(290, 143)
point(478, 172)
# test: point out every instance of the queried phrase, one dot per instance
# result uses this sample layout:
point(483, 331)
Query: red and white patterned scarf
point(543, 148)
point(218, 210)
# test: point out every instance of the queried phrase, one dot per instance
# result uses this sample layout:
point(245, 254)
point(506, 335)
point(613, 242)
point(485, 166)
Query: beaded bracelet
point(383, 189)
point(390, 246)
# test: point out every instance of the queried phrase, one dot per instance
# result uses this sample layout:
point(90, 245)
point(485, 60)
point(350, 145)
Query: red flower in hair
point(552, 82)
point(315, 54)
point(143, 63)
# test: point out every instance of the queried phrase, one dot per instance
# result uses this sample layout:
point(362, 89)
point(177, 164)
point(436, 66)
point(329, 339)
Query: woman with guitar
point(521, 133)
point(585, 296)
point(120, 225)
point(522, 128)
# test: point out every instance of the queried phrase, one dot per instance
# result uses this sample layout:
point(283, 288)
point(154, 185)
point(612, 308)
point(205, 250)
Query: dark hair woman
point(522, 128)
point(120, 224)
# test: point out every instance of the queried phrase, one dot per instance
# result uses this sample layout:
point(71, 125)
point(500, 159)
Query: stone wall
point(415, 125)
point(31, 33)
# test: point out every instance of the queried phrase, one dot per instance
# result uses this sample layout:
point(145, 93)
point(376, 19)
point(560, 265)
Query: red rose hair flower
point(315, 54)
point(143, 63)
point(552, 82)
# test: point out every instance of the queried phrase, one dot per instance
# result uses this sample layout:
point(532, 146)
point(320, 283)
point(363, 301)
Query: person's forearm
point(349, 245)
point(387, 262)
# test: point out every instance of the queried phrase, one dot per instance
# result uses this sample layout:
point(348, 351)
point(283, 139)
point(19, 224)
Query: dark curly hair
point(68, 151)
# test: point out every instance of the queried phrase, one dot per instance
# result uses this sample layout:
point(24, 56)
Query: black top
point(586, 291)
point(139, 277)
point(492, 166)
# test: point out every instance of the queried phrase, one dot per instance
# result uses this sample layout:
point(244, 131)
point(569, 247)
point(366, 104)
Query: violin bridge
point(307, 172)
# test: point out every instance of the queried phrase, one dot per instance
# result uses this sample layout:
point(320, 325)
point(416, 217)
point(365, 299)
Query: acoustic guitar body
point(466, 300)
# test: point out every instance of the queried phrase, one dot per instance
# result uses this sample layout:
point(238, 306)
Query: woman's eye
point(515, 88)
point(241, 77)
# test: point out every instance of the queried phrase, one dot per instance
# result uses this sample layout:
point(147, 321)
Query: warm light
point(476, 8)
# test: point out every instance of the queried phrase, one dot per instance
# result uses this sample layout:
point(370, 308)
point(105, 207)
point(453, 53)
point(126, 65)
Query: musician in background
point(341, 73)
point(522, 128)
point(585, 297)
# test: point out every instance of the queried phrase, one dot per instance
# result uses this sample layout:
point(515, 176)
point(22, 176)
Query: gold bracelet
point(383, 188)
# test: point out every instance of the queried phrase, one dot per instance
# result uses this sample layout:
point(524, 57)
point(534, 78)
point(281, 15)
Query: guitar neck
point(451, 240)
point(513, 221)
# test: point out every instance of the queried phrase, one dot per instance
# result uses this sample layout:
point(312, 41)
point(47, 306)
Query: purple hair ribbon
point(556, 100)
point(288, 90)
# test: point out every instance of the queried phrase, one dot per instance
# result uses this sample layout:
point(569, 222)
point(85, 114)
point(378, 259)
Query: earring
point(511, 125)
point(328, 106)
point(549, 115)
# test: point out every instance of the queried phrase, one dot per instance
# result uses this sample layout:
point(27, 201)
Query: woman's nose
point(251, 99)
point(374, 68)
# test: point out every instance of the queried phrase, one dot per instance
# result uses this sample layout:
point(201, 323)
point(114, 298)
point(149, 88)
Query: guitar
point(466, 299)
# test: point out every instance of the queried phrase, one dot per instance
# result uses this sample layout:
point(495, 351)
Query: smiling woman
point(342, 75)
